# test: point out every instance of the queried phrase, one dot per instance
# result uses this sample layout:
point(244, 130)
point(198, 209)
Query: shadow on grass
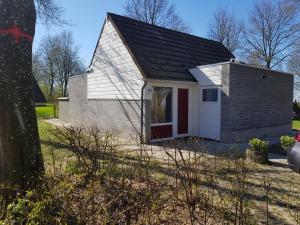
point(252, 194)
point(255, 191)
point(56, 145)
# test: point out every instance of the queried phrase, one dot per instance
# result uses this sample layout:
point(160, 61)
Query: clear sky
point(87, 17)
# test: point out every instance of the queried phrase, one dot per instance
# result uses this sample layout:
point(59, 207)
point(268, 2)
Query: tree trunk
point(268, 64)
point(65, 88)
point(51, 84)
point(20, 153)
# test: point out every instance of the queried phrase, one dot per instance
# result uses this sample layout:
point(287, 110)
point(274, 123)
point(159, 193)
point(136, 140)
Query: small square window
point(210, 95)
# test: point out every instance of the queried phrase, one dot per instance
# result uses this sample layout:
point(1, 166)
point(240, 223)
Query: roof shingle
point(167, 54)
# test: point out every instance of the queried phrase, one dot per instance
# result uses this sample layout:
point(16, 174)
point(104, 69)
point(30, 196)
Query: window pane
point(161, 105)
point(210, 95)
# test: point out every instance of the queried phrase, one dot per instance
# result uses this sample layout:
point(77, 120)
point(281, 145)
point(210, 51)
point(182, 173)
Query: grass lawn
point(45, 112)
point(296, 124)
point(52, 152)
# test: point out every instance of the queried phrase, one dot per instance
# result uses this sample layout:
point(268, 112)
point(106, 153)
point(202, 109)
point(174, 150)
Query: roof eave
point(98, 40)
point(127, 46)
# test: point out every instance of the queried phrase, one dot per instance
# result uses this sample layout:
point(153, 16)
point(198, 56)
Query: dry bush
point(239, 204)
point(106, 184)
point(187, 179)
point(93, 147)
point(211, 189)
point(123, 188)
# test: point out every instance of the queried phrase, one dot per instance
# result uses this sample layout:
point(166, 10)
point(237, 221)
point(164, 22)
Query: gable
point(115, 74)
point(166, 54)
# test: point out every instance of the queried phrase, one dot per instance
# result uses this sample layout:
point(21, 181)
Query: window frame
point(210, 102)
point(171, 107)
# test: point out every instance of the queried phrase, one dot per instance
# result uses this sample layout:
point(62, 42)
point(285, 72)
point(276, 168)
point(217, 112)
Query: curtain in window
point(161, 107)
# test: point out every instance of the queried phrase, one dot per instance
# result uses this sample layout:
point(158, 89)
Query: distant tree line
point(56, 59)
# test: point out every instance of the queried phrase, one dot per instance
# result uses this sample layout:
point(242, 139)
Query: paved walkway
point(56, 122)
point(278, 160)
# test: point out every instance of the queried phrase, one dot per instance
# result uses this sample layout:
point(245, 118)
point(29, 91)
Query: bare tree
point(47, 54)
point(227, 29)
point(37, 68)
point(59, 60)
point(67, 60)
point(49, 12)
point(294, 3)
point(21, 161)
point(156, 12)
point(272, 31)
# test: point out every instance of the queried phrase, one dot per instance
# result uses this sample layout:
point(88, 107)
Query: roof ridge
point(164, 28)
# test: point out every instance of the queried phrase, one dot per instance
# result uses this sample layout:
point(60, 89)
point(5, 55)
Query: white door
point(210, 112)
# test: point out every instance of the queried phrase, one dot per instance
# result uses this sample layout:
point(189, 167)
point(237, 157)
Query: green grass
point(296, 124)
point(44, 128)
point(45, 112)
point(52, 149)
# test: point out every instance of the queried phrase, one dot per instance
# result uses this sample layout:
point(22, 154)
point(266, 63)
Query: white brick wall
point(122, 116)
point(115, 75)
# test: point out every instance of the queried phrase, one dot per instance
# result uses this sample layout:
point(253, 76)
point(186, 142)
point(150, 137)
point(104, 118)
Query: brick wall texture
point(255, 103)
point(121, 116)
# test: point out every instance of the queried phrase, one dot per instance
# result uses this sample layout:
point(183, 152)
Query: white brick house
point(153, 82)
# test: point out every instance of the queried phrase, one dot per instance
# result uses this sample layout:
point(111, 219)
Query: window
point(210, 95)
point(161, 105)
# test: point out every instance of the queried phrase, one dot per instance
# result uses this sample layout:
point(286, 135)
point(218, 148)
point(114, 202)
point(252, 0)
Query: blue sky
point(87, 18)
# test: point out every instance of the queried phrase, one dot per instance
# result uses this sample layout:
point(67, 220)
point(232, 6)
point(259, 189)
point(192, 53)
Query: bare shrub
point(194, 186)
point(213, 189)
point(93, 147)
point(155, 185)
point(238, 189)
point(144, 185)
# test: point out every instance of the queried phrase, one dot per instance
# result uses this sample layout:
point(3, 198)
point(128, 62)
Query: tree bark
point(21, 161)
point(65, 87)
point(51, 84)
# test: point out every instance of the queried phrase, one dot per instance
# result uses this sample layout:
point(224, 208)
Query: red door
point(183, 111)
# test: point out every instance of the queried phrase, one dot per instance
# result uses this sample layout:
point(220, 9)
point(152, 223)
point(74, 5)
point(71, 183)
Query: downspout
point(142, 112)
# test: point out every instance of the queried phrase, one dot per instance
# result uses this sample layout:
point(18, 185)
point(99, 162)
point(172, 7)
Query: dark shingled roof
point(38, 95)
point(167, 54)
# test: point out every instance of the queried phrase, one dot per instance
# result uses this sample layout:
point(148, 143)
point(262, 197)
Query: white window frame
point(210, 102)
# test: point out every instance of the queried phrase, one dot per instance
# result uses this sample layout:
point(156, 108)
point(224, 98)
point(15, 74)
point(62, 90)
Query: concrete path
point(56, 122)
point(278, 160)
